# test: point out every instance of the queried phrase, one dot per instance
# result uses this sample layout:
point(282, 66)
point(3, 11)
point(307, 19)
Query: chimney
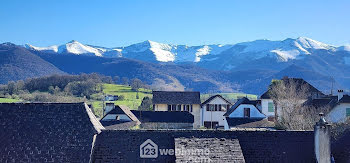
point(322, 140)
point(340, 94)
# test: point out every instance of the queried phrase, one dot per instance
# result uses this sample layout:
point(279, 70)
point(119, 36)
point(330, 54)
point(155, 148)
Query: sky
point(113, 23)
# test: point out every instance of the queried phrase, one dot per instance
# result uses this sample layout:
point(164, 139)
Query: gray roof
point(218, 150)
point(345, 99)
point(176, 97)
point(164, 116)
point(46, 132)
point(249, 122)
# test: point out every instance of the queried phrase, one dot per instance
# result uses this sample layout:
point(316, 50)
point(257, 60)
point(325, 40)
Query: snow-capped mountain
point(223, 57)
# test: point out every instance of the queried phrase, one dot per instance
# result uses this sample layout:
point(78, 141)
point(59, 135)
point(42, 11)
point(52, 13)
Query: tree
point(291, 112)
point(125, 81)
point(145, 104)
point(136, 84)
point(11, 87)
point(116, 79)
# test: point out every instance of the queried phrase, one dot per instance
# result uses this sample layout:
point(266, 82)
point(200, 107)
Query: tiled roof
point(212, 97)
point(219, 150)
point(341, 147)
point(249, 122)
point(173, 97)
point(299, 83)
point(164, 116)
point(243, 100)
point(46, 132)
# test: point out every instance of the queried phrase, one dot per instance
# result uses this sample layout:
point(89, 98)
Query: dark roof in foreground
point(46, 132)
point(164, 116)
point(175, 97)
point(341, 147)
point(299, 82)
point(222, 150)
point(249, 122)
point(256, 146)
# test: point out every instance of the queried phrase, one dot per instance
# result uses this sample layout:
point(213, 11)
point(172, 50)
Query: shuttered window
point(271, 107)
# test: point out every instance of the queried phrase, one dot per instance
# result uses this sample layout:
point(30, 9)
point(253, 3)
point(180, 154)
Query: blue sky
point(114, 23)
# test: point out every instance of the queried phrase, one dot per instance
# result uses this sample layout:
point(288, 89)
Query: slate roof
point(46, 132)
point(341, 147)
point(174, 97)
point(164, 116)
point(256, 146)
point(212, 97)
point(218, 150)
point(243, 100)
point(299, 82)
point(249, 122)
point(118, 125)
point(345, 99)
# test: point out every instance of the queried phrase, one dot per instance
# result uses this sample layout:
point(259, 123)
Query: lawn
point(230, 96)
point(8, 100)
point(129, 100)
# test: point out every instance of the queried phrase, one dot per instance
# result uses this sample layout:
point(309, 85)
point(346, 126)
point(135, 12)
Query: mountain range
point(243, 67)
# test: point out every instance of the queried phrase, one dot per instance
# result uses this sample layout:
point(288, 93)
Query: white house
point(243, 111)
point(213, 110)
point(341, 110)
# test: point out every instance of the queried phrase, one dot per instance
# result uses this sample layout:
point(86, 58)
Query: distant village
point(291, 122)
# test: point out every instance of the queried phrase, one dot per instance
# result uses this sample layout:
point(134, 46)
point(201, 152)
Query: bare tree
point(291, 112)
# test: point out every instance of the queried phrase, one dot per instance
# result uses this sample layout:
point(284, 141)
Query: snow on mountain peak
point(312, 44)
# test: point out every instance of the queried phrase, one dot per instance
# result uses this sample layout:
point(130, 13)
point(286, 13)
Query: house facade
point(243, 111)
point(213, 110)
point(178, 101)
point(340, 112)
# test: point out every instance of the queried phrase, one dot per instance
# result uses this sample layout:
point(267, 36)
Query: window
point(348, 112)
point(169, 107)
point(173, 107)
point(211, 107)
point(178, 108)
point(271, 107)
point(191, 108)
point(219, 107)
point(207, 107)
point(246, 112)
point(216, 107)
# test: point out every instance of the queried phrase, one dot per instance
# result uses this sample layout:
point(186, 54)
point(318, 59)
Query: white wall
point(265, 107)
point(217, 116)
point(239, 112)
point(338, 113)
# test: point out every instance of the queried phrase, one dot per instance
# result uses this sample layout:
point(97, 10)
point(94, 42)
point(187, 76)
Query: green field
point(130, 99)
point(232, 97)
point(8, 100)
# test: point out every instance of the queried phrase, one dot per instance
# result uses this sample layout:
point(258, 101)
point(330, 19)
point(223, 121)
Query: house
point(340, 110)
point(178, 101)
point(121, 117)
point(242, 112)
point(213, 110)
point(268, 106)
